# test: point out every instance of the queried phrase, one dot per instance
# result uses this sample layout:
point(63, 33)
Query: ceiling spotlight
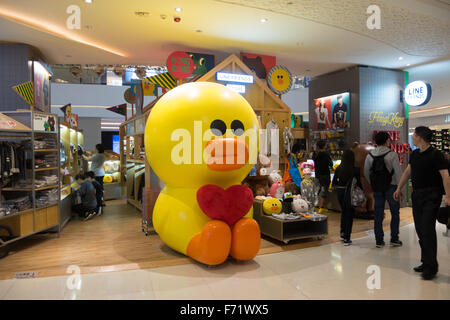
point(400, 58)
point(178, 9)
point(263, 20)
point(198, 31)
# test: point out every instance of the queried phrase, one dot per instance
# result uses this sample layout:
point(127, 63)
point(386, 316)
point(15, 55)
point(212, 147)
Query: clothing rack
point(17, 221)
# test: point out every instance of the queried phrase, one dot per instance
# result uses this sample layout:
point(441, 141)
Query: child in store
point(98, 191)
point(85, 209)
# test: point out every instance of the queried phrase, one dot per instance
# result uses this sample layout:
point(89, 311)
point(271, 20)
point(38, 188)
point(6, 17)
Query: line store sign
point(417, 93)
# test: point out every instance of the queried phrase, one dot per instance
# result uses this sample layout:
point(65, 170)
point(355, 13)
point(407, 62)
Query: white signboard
point(234, 77)
point(417, 93)
point(239, 88)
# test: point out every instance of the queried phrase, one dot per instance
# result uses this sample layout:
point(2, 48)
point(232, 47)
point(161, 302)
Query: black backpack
point(380, 177)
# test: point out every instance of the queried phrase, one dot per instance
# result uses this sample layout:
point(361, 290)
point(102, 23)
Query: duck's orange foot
point(246, 239)
point(212, 245)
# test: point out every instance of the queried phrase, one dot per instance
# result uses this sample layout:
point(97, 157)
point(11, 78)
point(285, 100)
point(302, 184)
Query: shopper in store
point(322, 165)
point(430, 179)
point(98, 159)
point(382, 170)
point(343, 176)
point(86, 191)
point(98, 191)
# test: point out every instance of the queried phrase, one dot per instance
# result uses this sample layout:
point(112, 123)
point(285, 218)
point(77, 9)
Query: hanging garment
point(271, 126)
point(288, 139)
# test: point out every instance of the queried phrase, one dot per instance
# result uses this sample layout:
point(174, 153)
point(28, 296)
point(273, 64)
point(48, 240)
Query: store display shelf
point(16, 189)
point(137, 160)
point(16, 214)
point(45, 150)
point(47, 206)
point(46, 187)
point(45, 169)
point(47, 228)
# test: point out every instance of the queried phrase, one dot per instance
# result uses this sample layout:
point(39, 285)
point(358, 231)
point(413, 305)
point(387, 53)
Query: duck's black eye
point(237, 127)
point(218, 127)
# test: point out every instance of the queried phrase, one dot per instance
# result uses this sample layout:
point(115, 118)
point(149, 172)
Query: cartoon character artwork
point(202, 62)
point(203, 210)
point(271, 206)
point(279, 79)
point(51, 123)
point(256, 65)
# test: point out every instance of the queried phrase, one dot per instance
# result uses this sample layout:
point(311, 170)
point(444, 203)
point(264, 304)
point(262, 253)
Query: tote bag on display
point(294, 172)
point(286, 176)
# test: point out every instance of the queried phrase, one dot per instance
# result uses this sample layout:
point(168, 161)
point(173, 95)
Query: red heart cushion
point(227, 205)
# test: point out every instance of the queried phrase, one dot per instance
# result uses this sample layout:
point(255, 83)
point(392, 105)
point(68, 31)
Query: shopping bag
point(286, 176)
point(294, 172)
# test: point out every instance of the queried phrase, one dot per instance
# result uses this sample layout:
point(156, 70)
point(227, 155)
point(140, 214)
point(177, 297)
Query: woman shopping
point(98, 159)
point(343, 176)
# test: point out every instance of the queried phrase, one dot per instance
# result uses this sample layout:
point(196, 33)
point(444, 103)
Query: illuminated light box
point(239, 88)
point(234, 77)
point(417, 93)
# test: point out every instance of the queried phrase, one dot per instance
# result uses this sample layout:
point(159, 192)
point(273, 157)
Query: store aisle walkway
point(326, 272)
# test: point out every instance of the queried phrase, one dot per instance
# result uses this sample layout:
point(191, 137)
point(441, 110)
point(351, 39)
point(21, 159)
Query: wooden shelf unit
point(33, 220)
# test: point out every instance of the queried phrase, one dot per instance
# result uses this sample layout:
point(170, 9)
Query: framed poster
point(259, 63)
point(41, 80)
point(332, 112)
point(45, 122)
point(202, 62)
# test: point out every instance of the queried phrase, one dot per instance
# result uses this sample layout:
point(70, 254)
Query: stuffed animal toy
point(275, 176)
point(264, 164)
point(271, 206)
point(288, 198)
point(276, 188)
point(309, 189)
point(291, 187)
point(300, 206)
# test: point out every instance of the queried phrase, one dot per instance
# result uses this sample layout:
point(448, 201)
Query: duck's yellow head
point(201, 133)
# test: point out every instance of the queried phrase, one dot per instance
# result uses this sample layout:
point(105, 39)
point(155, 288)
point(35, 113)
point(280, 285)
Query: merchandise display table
point(286, 230)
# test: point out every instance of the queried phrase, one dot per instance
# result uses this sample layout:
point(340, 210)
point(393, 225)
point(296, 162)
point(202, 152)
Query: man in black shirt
point(430, 179)
point(322, 165)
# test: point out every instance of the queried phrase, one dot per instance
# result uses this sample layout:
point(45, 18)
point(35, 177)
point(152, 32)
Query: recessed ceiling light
point(400, 58)
point(88, 27)
point(88, 1)
point(408, 64)
point(198, 31)
point(263, 20)
point(178, 9)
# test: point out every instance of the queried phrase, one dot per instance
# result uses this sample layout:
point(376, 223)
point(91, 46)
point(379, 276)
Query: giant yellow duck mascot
point(200, 140)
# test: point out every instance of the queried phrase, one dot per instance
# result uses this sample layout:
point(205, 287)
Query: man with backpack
point(382, 169)
point(430, 180)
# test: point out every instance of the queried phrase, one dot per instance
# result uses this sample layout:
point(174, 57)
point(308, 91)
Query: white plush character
point(300, 206)
point(275, 176)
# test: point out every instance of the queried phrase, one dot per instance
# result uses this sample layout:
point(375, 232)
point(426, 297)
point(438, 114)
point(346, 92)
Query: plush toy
point(271, 206)
point(276, 188)
point(287, 202)
point(309, 189)
point(300, 206)
point(107, 178)
point(275, 176)
point(291, 187)
point(264, 164)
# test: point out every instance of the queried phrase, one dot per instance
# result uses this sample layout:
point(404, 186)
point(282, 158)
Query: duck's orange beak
point(227, 154)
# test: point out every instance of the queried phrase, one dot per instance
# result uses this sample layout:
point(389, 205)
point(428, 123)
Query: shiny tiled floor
point(325, 272)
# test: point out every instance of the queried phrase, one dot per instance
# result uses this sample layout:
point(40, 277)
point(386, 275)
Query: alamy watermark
point(374, 280)
point(374, 20)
